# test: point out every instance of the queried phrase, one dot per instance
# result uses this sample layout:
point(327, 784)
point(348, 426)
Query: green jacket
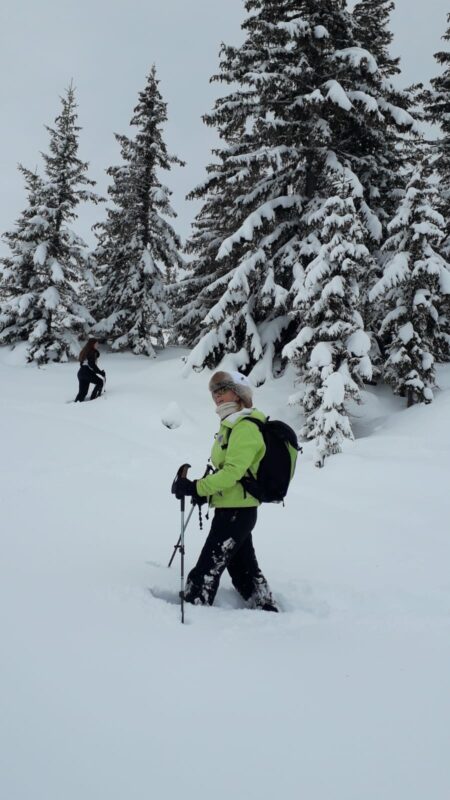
point(238, 447)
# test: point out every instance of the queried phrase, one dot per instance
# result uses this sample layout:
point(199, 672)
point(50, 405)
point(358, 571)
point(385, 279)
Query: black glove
point(103, 373)
point(183, 487)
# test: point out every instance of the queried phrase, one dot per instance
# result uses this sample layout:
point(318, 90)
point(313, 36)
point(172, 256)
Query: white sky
point(107, 47)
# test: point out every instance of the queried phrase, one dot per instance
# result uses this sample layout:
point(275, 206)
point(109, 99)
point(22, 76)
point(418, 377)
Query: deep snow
point(104, 694)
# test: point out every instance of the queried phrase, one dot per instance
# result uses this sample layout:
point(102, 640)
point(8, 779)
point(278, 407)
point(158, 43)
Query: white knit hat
point(235, 381)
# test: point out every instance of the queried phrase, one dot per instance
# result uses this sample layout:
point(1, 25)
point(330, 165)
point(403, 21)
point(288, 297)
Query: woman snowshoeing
point(89, 372)
point(238, 448)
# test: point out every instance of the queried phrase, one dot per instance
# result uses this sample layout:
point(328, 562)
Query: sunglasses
point(221, 390)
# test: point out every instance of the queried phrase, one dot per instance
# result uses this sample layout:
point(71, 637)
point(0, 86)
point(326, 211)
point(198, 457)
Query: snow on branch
point(305, 336)
point(320, 32)
point(295, 26)
point(359, 343)
point(255, 221)
point(357, 56)
point(40, 254)
point(321, 355)
point(238, 284)
point(367, 100)
point(372, 221)
point(444, 280)
point(338, 95)
point(51, 298)
point(402, 118)
point(394, 274)
point(349, 177)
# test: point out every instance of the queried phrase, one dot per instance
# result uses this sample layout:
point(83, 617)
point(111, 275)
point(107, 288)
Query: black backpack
point(278, 463)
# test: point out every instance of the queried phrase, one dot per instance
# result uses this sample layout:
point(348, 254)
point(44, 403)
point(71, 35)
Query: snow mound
point(171, 417)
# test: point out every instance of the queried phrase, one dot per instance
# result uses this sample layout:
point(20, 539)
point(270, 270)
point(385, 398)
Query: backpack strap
point(258, 422)
point(248, 476)
point(225, 444)
point(248, 481)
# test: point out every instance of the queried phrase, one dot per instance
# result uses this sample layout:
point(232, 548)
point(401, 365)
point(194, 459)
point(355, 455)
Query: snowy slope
point(104, 694)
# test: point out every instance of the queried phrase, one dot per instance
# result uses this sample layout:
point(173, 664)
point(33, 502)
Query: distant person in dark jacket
point(89, 372)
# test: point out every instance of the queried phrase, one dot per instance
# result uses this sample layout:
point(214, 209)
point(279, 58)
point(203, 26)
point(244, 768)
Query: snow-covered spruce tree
point(237, 290)
point(331, 350)
point(16, 270)
point(368, 125)
point(309, 96)
point(138, 250)
point(42, 277)
point(415, 289)
point(204, 285)
point(381, 146)
point(373, 18)
point(437, 106)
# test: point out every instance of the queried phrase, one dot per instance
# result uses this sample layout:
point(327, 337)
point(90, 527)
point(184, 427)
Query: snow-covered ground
point(105, 695)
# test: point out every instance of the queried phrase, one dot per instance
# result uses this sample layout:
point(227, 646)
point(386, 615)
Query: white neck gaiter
point(225, 409)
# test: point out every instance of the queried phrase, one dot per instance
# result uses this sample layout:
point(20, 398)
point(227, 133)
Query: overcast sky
point(107, 48)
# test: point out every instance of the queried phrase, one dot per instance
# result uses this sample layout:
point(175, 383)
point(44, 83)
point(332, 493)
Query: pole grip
point(181, 473)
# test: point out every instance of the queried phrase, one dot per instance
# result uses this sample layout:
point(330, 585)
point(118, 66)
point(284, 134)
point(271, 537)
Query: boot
point(268, 607)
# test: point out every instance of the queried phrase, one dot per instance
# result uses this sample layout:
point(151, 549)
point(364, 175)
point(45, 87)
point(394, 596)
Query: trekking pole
point(177, 545)
point(182, 473)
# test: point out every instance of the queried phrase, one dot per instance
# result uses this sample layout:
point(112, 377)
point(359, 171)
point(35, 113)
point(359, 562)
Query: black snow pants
point(86, 376)
point(229, 545)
